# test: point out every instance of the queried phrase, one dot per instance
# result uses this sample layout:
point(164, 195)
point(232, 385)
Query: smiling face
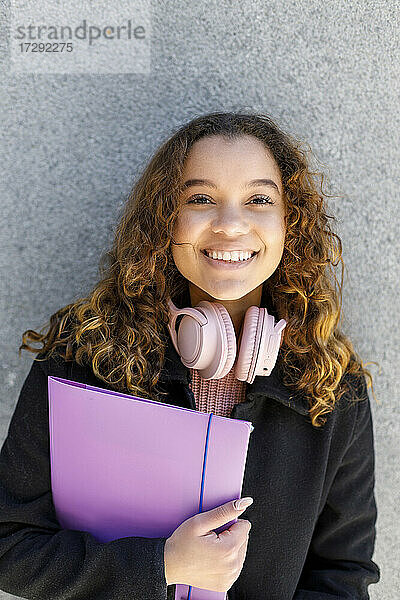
point(225, 215)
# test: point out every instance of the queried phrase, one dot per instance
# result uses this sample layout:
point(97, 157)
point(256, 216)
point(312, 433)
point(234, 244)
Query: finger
point(225, 536)
point(243, 549)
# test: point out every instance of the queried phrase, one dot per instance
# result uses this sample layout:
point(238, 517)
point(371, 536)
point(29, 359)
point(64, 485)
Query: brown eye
point(197, 197)
point(193, 199)
point(267, 198)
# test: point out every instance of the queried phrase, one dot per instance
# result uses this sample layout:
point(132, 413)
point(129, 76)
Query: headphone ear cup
point(205, 339)
point(218, 350)
point(248, 338)
point(229, 342)
point(260, 346)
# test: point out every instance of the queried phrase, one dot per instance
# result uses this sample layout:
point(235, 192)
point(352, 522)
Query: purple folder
point(126, 466)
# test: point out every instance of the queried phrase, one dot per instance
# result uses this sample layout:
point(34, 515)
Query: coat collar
point(263, 388)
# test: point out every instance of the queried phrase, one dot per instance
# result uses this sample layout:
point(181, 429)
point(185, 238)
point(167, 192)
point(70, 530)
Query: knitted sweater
point(217, 395)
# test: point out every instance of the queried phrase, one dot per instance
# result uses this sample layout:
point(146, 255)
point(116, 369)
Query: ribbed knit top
point(217, 395)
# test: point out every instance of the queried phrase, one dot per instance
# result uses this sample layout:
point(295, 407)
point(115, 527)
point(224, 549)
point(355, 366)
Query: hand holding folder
point(215, 560)
point(126, 466)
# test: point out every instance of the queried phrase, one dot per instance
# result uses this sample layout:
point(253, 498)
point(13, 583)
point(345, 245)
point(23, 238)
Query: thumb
point(220, 515)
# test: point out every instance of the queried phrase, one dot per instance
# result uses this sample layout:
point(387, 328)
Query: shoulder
point(352, 410)
point(356, 399)
point(34, 387)
point(56, 365)
point(352, 393)
point(30, 415)
point(30, 412)
point(51, 363)
point(355, 386)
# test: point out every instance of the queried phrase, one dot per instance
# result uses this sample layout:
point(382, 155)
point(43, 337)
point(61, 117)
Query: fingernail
point(243, 503)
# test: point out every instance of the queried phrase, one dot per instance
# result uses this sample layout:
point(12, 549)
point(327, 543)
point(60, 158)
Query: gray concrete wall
point(71, 144)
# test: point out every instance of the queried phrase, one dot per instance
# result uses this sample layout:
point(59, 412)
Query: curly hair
point(120, 327)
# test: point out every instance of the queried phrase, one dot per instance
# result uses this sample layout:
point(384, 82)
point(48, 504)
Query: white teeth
point(234, 256)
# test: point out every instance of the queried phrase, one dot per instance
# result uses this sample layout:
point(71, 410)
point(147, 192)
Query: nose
point(230, 221)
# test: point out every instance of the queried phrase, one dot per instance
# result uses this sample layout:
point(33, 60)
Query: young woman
point(226, 216)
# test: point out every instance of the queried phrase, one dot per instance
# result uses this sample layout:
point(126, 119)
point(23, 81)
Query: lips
point(253, 252)
point(228, 265)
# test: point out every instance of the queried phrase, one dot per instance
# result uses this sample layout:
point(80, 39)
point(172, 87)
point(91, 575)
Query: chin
point(229, 296)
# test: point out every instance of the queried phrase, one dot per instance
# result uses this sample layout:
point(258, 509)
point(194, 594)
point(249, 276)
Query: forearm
point(71, 564)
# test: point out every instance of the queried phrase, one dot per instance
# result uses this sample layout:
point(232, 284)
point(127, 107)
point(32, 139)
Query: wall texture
point(71, 145)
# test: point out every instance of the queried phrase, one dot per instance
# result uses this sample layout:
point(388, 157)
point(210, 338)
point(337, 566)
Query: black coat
point(313, 516)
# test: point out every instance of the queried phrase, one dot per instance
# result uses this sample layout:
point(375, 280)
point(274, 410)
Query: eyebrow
point(249, 184)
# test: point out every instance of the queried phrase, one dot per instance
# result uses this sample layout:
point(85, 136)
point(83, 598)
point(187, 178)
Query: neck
point(236, 308)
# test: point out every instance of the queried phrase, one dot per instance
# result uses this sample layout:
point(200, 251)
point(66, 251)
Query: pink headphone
point(206, 340)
